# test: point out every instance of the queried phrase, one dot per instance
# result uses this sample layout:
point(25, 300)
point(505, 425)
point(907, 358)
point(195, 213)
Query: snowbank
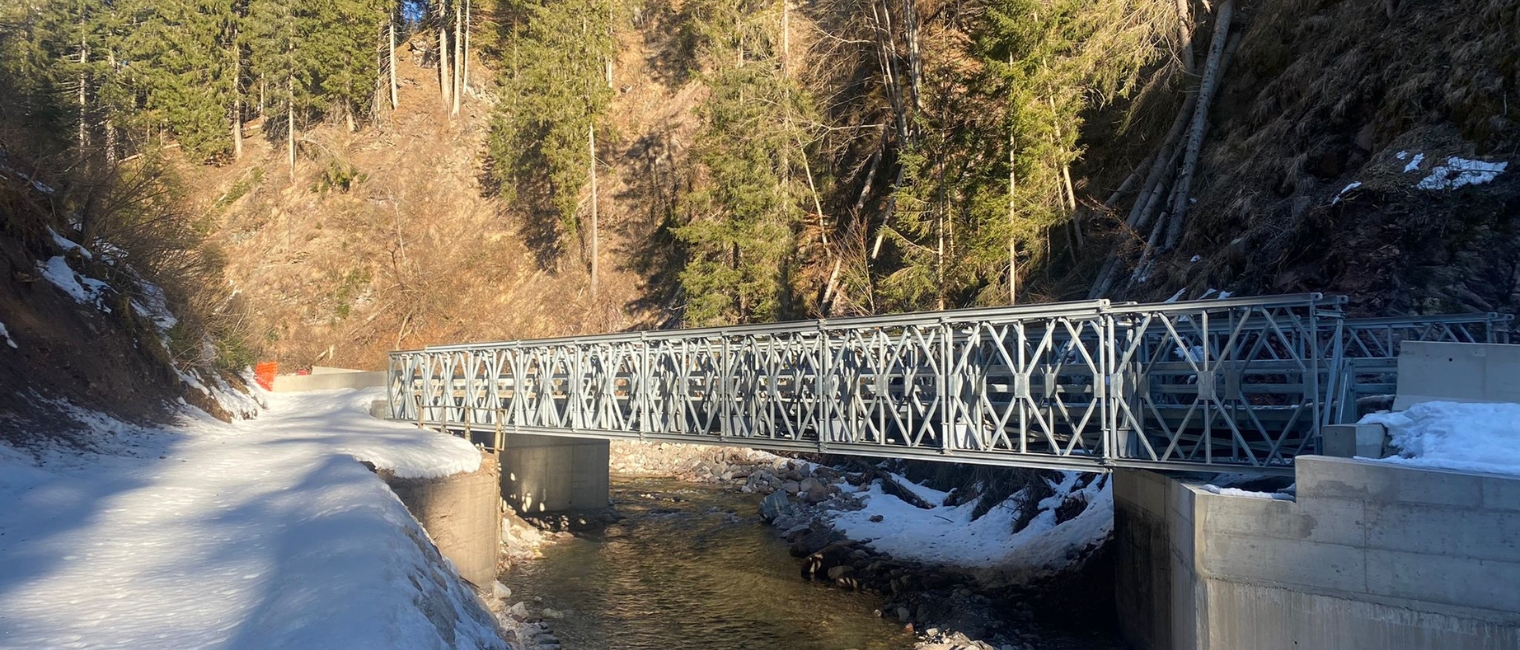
point(1451, 435)
point(256, 534)
point(948, 535)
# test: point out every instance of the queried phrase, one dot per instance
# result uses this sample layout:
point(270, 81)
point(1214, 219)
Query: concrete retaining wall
point(462, 513)
point(328, 379)
point(1370, 556)
point(553, 474)
point(1457, 372)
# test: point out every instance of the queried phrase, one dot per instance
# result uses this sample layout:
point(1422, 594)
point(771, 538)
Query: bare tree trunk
point(391, 53)
point(263, 87)
point(786, 36)
point(915, 62)
point(1013, 250)
point(458, 57)
point(1200, 120)
point(1185, 36)
point(444, 84)
point(290, 123)
point(84, 122)
point(591, 140)
point(237, 99)
point(110, 126)
point(466, 47)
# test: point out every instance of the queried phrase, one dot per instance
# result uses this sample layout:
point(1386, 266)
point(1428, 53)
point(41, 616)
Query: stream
point(691, 566)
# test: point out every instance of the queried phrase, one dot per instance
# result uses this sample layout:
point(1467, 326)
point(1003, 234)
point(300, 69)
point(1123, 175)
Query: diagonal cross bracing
point(1241, 384)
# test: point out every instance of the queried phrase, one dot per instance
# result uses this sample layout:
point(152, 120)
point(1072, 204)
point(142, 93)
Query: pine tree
point(553, 91)
point(744, 214)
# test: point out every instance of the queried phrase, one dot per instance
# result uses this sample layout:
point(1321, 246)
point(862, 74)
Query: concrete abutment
point(461, 513)
point(1370, 555)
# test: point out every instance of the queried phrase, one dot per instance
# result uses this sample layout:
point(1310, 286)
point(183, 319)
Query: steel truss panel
point(1242, 384)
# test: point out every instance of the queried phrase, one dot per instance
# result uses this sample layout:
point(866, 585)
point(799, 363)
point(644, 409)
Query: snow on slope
point(258, 534)
point(948, 535)
point(1460, 436)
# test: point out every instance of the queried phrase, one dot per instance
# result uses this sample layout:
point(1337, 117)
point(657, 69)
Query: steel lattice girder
point(1242, 382)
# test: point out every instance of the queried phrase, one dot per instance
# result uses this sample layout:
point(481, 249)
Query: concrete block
point(1283, 562)
point(1353, 440)
point(1459, 581)
point(1451, 532)
point(1501, 493)
point(1340, 478)
point(1326, 521)
point(1458, 372)
point(328, 381)
point(1259, 617)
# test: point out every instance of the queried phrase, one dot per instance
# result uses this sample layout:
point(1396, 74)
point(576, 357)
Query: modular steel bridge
point(1239, 384)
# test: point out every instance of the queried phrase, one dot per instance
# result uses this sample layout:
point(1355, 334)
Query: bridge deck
point(1242, 384)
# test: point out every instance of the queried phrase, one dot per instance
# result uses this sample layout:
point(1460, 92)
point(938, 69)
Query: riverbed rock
point(791, 486)
point(813, 489)
point(841, 571)
point(518, 611)
point(773, 505)
point(500, 591)
point(549, 612)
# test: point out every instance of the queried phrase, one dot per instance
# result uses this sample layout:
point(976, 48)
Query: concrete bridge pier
point(544, 474)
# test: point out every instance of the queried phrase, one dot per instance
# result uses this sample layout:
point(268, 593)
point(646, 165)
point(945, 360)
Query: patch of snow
point(1225, 294)
point(1196, 258)
point(7, 334)
point(1206, 294)
point(1473, 437)
point(929, 495)
point(1237, 492)
point(256, 534)
point(82, 289)
point(155, 306)
point(1344, 190)
point(1176, 296)
point(1460, 172)
point(1401, 155)
point(1414, 164)
point(69, 245)
point(948, 535)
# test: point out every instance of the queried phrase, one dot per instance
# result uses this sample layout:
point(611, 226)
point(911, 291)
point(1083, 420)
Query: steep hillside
point(391, 237)
point(1332, 149)
point(388, 239)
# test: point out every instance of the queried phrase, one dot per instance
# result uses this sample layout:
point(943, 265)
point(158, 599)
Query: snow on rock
point(69, 245)
point(1413, 164)
point(1353, 185)
point(256, 534)
point(947, 535)
point(82, 289)
point(1472, 437)
point(1460, 172)
point(6, 334)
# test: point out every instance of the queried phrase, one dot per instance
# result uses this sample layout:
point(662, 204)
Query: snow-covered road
point(260, 534)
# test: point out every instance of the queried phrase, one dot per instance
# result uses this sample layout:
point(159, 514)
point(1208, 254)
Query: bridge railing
point(1241, 382)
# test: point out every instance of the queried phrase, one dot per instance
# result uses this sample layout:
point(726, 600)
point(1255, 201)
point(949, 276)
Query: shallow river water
point(692, 567)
